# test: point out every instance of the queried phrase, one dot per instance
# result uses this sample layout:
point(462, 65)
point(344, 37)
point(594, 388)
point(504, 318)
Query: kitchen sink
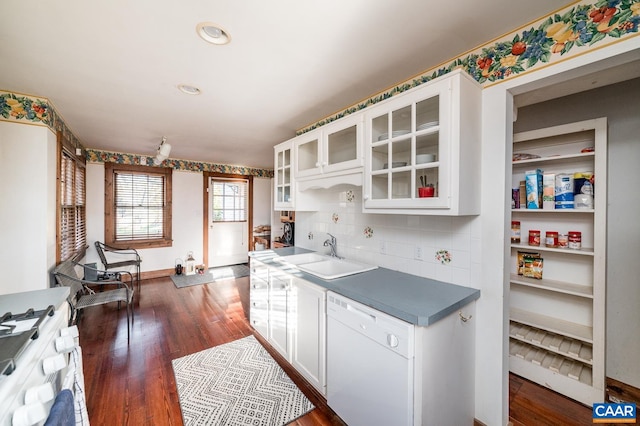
point(335, 268)
point(323, 266)
point(298, 259)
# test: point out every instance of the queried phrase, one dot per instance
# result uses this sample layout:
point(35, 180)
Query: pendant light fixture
point(163, 152)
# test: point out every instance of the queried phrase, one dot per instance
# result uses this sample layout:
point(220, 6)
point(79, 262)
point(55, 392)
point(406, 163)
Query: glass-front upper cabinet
point(422, 150)
point(332, 148)
point(283, 177)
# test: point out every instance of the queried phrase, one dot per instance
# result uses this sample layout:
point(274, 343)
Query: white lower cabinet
point(259, 297)
point(279, 301)
point(308, 323)
point(290, 314)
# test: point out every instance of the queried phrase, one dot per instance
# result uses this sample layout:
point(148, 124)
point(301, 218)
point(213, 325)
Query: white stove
point(34, 346)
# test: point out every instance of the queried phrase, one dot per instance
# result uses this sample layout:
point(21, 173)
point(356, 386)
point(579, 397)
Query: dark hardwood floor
point(134, 384)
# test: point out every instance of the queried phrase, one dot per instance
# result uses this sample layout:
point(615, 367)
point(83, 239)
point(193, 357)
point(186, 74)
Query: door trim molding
point(205, 209)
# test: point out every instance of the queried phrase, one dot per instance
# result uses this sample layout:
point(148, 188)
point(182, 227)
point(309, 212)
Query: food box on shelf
point(533, 182)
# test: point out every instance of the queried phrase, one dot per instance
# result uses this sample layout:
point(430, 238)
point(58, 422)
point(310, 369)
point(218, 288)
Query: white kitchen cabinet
point(308, 323)
point(557, 323)
point(279, 307)
point(283, 177)
point(259, 298)
point(290, 313)
point(429, 138)
point(330, 149)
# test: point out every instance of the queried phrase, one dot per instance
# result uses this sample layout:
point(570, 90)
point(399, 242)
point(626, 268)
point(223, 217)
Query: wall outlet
point(383, 247)
point(418, 253)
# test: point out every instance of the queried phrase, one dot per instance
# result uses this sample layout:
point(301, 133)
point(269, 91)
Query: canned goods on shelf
point(534, 237)
point(575, 240)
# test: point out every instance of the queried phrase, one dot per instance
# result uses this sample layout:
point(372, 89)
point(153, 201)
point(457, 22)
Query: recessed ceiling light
point(212, 33)
point(189, 90)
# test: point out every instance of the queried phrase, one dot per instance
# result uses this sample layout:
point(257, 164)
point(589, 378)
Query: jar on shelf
point(551, 239)
point(515, 232)
point(575, 240)
point(534, 237)
point(563, 241)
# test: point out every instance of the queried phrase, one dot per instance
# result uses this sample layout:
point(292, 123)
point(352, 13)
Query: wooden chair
point(82, 296)
point(119, 258)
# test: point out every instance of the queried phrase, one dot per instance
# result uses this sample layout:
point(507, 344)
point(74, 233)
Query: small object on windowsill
point(200, 269)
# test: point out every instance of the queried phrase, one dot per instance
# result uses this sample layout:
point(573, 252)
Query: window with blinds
point(229, 200)
point(138, 206)
point(72, 219)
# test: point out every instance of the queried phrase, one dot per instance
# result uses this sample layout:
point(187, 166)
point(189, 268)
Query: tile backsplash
point(437, 247)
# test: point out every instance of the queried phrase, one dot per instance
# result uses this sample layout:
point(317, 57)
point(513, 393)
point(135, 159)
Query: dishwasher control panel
point(386, 330)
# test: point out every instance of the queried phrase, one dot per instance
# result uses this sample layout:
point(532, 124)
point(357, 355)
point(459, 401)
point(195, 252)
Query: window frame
point(110, 171)
point(245, 196)
point(67, 148)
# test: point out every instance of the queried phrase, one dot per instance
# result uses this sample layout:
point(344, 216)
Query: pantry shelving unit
point(557, 323)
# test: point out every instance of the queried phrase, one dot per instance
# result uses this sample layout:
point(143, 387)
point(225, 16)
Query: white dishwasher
point(370, 364)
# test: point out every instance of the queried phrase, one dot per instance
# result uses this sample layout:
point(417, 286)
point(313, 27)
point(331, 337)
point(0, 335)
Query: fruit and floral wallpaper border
point(34, 110)
point(97, 156)
point(572, 31)
point(38, 111)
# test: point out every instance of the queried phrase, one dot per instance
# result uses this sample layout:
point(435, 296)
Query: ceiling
point(111, 69)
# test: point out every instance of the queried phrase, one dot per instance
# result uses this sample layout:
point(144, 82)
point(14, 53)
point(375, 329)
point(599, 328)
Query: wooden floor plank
point(133, 384)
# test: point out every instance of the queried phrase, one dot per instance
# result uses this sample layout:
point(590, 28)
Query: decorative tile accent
point(350, 196)
point(572, 31)
point(443, 256)
point(368, 232)
point(335, 218)
point(96, 156)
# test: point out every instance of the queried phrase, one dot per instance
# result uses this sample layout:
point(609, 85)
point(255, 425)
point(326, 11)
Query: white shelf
point(551, 342)
point(585, 251)
point(557, 363)
point(555, 159)
point(553, 285)
point(554, 325)
point(546, 211)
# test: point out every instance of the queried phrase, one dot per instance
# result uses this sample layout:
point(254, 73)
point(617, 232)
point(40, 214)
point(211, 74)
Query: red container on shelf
point(534, 237)
point(575, 240)
point(551, 239)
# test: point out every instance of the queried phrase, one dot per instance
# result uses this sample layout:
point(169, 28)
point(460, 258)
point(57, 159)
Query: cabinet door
point(283, 177)
point(308, 160)
point(259, 298)
point(342, 147)
point(279, 330)
point(308, 322)
point(408, 154)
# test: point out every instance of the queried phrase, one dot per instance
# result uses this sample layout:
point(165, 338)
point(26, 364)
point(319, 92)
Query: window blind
point(139, 206)
point(72, 226)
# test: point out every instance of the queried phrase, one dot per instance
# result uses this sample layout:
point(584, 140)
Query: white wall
point(400, 234)
point(620, 104)
point(186, 224)
point(28, 213)
point(261, 201)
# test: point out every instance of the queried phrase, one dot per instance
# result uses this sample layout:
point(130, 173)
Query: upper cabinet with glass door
point(283, 177)
point(422, 150)
point(333, 149)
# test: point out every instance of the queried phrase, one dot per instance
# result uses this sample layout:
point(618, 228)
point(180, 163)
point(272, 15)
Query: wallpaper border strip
point(570, 32)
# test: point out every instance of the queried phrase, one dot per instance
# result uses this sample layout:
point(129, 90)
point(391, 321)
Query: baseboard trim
point(618, 391)
point(157, 274)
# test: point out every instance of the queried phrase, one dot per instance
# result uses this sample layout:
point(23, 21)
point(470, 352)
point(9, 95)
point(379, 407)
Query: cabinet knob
point(365, 197)
point(52, 364)
point(318, 164)
point(30, 414)
point(325, 163)
point(392, 340)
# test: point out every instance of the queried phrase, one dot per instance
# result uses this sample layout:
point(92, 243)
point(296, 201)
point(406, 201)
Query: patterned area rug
point(237, 383)
point(214, 274)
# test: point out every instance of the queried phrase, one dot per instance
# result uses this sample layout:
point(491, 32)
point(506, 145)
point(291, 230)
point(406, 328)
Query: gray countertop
point(17, 303)
point(417, 300)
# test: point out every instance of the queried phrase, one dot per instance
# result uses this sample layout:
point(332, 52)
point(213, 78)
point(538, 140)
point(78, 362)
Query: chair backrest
point(100, 249)
point(66, 275)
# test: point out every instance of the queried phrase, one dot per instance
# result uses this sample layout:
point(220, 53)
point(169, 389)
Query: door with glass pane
point(228, 221)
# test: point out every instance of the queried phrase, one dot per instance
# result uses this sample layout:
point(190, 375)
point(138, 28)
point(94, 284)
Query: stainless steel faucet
point(331, 243)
